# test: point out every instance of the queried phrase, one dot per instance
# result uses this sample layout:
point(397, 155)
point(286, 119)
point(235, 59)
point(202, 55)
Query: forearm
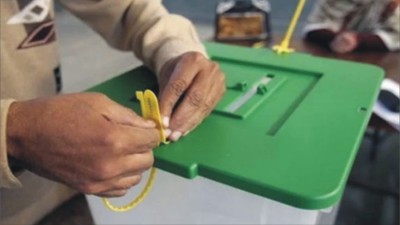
point(370, 42)
point(7, 178)
point(321, 36)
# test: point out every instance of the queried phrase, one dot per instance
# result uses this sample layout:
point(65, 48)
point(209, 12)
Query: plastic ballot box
point(277, 149)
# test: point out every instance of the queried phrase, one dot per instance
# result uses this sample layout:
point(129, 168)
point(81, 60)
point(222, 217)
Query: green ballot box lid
point(288, 127)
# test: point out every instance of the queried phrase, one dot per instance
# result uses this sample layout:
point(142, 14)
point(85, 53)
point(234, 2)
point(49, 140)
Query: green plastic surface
point(293, 141)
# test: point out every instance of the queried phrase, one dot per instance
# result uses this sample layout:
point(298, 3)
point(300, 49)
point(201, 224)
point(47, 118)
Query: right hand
point(85, 141)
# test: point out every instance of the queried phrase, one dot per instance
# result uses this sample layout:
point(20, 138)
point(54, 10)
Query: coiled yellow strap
point(138, 199)
point(283, 47)
point(150, 111)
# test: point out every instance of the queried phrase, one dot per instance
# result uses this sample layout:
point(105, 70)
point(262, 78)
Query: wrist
point(358, 39)
point(13, 131)
point(175, 49)
point(168, 67)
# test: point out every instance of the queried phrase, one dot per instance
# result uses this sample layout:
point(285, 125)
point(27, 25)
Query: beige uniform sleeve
point(144, 26)
point(7, 178)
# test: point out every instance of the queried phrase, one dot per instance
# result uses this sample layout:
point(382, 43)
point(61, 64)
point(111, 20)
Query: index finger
point(180, 80)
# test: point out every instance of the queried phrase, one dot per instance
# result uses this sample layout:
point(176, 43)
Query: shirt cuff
point(318, 26)
point(173, 49)
point(391, 44)
point(7, 178)
point(170, 37)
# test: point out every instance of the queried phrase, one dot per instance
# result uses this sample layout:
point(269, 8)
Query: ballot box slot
point(244, 98)
point(262, 94)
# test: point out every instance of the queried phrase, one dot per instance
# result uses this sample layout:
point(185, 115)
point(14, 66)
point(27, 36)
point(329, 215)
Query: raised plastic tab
point(151, 111)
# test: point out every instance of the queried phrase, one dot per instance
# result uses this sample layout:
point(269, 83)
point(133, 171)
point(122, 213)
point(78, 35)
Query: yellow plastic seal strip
point(150, 111)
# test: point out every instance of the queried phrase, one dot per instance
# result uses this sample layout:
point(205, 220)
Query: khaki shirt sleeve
point(389, 30)
point(328, 14)
point(144, 26)
point(7, 178)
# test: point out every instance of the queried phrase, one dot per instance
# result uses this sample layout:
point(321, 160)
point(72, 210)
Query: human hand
point(85, 141)
point(344, 42)
point(190, 87)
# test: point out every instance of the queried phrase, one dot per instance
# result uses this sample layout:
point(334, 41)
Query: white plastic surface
point(393, 118)
point(176, 200)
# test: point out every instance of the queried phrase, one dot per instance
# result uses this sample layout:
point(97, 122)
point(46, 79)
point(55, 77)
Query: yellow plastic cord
point(150, 111)
point(138, 199)
point(284, 46)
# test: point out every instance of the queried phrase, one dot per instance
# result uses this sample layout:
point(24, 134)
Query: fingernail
point(175, 136)
point(186, 133)
point(165, 121)
point(167, 132)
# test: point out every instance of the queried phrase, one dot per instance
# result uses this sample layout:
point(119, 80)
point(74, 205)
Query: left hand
point(190, 87)
point(344, 42)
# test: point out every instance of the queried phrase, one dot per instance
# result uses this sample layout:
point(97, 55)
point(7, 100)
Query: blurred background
point(372, 192)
